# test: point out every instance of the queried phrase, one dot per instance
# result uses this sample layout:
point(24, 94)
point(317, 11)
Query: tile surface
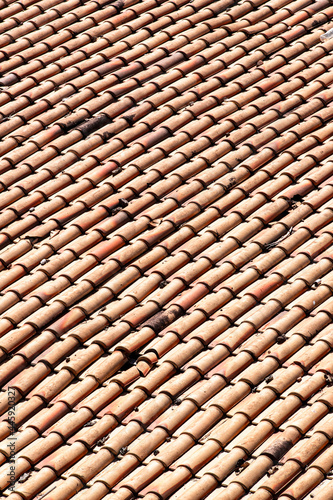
point(166, 249)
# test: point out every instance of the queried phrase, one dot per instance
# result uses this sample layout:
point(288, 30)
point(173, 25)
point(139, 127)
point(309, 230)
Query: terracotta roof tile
point(166, 249)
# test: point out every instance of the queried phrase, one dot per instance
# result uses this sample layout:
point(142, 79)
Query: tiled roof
point(166, 258)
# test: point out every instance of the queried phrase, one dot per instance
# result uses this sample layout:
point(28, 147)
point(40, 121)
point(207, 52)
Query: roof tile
point(166, 236)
